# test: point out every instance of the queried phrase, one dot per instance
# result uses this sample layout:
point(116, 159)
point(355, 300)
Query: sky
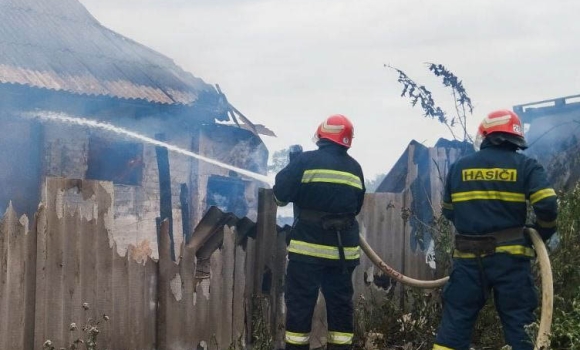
point(290, 64)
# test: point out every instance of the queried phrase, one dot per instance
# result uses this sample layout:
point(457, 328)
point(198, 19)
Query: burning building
point(57, 59)
point(553, 130)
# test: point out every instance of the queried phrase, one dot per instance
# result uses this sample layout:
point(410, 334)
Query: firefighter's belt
point(480, 245)
point(329, 221)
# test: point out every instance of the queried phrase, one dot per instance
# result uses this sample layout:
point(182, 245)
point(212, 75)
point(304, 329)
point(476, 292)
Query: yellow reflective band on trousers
point(487, 195)
point(441, 347)
point(322, 251)
point(447, 206)
point(541, 194)
point(297, 338)
point(509, 249)
point(332, 176)
point(340, 338)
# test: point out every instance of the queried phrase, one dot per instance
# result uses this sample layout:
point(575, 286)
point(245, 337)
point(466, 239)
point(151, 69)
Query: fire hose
point(543, 337)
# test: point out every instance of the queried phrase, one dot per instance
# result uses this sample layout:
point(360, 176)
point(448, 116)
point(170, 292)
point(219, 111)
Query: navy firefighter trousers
point(510, 279)
point(303, 282)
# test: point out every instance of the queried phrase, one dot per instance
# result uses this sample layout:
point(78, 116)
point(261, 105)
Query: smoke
point(65, 118)
point(19, 159)
point(551, 134)
point(553, 139)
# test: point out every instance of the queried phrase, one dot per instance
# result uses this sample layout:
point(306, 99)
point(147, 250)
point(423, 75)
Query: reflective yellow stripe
point(279, 202)
point(332, 176)
point(441, 347)
point(322, 251)
point(340, 338)
point(546, 224)
point(499, 195)
point(447, 206)
point(509, 249)
point(541, 194)
point(297, 338)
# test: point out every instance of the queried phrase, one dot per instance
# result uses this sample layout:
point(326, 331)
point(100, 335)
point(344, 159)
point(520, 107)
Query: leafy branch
point(462, 101)
point(419, 94)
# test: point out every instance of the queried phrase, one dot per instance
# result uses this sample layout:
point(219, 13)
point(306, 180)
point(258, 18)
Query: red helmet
point(505, 122)
point(336, 128)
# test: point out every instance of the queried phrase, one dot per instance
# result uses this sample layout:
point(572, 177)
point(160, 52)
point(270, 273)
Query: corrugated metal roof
point(58, 45)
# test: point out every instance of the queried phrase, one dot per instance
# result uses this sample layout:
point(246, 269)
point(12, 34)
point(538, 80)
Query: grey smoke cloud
point(288, 64)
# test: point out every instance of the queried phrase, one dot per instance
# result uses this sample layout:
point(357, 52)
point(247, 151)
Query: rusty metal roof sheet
point(59, 45)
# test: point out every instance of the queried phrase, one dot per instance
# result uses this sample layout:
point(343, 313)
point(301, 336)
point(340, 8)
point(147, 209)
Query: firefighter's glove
point(294, 151)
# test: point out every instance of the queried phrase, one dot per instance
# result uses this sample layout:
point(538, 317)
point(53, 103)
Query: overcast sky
point(289, 64)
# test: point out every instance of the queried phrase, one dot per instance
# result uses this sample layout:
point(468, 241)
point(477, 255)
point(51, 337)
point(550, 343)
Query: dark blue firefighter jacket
point(489, 191)
point(325, 180)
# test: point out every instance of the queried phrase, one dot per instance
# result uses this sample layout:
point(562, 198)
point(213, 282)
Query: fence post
point(163, 291)
point(265, 259)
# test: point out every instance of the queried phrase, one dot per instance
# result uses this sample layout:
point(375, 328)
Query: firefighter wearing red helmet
point(505, 125)
point(336, 128)
point(327, 188)
point(486, 197)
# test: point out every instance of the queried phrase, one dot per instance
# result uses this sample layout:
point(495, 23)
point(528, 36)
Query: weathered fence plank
point(120, 318)
point(187, 265)
point(266, 243)
point(41, 300)
point(223, 301)
point(77, 264)
point(104, 253)
point(277, 290)
point(72, 300)
point(4, 242)
point(239, 304)
point(16, 278)
point(50, 319)
point(149, 306)
point(163, 290)
point(29, 299)
point(14, 281)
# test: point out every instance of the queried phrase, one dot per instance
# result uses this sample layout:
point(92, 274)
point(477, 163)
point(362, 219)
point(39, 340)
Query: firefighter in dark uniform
point(486, 197)
point(327, 189)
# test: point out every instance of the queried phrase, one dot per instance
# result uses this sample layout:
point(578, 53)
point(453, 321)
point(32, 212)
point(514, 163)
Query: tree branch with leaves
point(419, 94)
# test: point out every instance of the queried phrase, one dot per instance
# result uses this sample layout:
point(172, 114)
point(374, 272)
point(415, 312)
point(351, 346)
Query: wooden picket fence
point(65, 257)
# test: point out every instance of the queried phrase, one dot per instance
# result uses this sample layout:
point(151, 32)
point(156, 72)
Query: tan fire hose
point(543, 338)
point(396, 274)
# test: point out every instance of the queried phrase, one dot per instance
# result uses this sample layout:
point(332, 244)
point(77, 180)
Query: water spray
point(65, 118)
